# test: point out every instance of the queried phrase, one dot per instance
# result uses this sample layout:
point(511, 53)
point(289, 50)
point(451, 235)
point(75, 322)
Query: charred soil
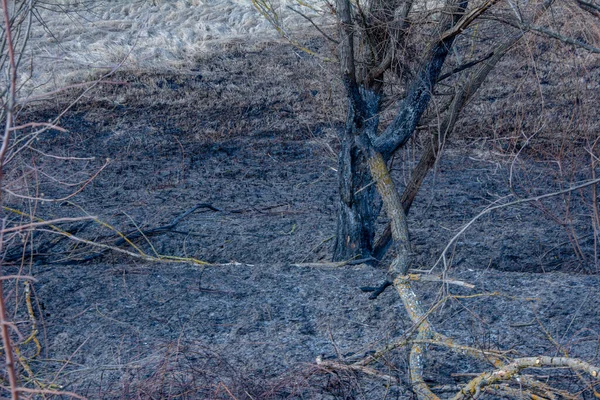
point(243, 149)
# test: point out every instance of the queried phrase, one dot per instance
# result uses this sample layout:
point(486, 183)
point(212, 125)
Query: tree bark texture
point(357, 205)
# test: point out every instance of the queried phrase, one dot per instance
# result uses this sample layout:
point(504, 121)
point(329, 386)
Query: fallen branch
point(121, 238)
point(432, 278)
point(512, 370)
point(35, 225)
point(356, 368)
point(137, 253)
point(170, 227)
point(42, 250)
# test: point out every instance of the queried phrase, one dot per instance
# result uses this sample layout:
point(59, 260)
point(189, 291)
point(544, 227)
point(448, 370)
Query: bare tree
point(377, 46)
point(383, 36)
point(406, 44)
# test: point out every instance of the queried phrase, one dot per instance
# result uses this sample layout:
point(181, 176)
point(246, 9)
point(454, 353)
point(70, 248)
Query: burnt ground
point(251, 135)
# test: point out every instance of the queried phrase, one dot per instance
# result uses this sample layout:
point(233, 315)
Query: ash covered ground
point(248, 141)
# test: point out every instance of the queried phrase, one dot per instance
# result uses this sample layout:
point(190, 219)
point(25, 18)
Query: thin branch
point(139, 255)
point(431, 278)
point(51, 392)
point(433, 148)
point(464, 66)
point(86, 85)
point(12, 93)
point(355, 367)
point(35, 225)
point(398, 28)
point(85, 184)
point(4, 324)
point(269, 13)
point(540, 30)
point(19, 277)
point(589, 7)
point(39, 124)
point(512, 203)
point(467, 19)
point(403, 126)
point(9, 110)
point(317, 27)
point(68, 158)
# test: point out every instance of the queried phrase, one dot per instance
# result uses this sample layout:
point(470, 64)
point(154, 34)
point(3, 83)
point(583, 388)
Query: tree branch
point(317, 27)
point(465, 66)
point(589, 7)
point(414, 105)
point(467, 19)
point(397, 38)
point(540, 30)
point(512, 203)
point(346, 49)
point(432, 149)
point(511, 370)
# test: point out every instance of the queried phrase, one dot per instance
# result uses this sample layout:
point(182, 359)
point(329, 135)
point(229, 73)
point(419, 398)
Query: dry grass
point(76, 39)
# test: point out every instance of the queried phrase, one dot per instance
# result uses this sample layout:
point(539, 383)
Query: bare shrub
point(24, 185)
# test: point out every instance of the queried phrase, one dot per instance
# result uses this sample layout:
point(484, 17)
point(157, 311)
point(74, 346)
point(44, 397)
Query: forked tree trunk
point(356, 216)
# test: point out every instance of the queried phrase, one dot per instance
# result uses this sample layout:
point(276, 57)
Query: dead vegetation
point(226, 169)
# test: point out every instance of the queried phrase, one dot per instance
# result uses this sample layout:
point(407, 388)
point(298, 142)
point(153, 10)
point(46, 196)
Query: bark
point(357, 210)
point(359, 206)
point(395, 212)
point(399, 267)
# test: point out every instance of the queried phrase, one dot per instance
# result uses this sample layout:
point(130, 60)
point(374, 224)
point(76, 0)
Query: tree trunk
point(358, 205)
